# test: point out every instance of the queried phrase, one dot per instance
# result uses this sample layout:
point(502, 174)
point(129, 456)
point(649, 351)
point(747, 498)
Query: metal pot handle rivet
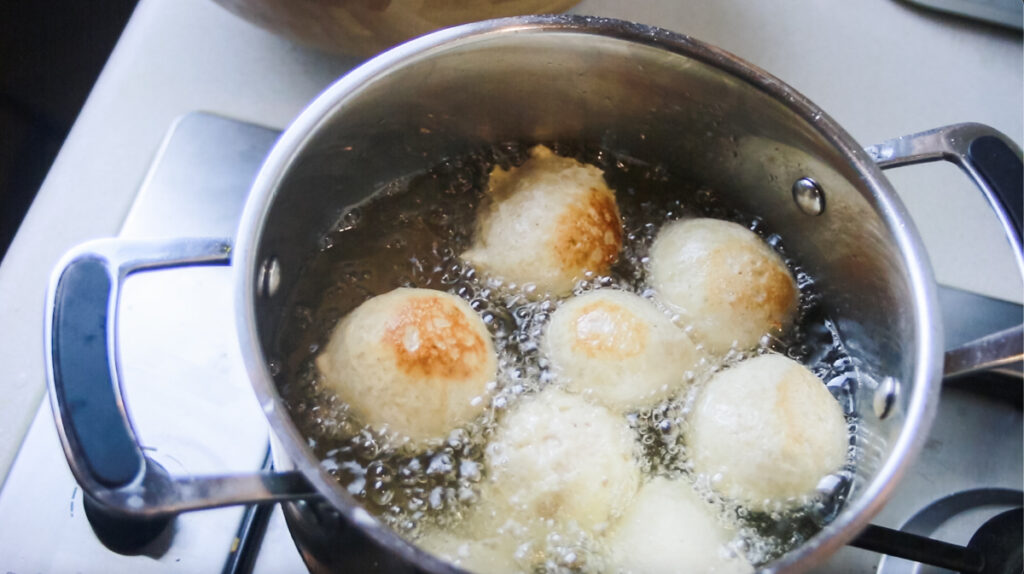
point(809, 196)
point(269, 278)
point(885, 397)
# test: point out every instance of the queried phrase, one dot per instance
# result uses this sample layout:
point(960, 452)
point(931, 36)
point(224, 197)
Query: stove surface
point(185, 384)
point(195, 412)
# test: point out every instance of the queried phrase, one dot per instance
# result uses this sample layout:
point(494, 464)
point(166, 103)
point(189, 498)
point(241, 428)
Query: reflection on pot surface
point(575, 453)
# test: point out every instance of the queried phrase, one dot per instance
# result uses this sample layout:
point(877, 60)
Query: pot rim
point(927, 322)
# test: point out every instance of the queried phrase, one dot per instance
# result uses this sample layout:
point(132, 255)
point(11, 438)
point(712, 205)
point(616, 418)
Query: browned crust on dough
point(589, 234)
point(448, 345)
point(771, 289)
point(628, 337)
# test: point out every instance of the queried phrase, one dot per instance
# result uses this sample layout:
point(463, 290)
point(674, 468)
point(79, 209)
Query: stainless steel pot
point(637, 90)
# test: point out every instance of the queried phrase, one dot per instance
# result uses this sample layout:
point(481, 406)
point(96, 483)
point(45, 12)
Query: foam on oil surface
point(409, 234)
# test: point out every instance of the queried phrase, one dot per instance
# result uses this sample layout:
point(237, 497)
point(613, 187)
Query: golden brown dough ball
point(619, 349)
point(547, 223)
point(412, 362)
point(724, 281)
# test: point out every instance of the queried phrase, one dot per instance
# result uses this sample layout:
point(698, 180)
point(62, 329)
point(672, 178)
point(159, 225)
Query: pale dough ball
point(501, 544)
point(412, 362)
point(670, 529)
point(486, 555)
point(724, 281)
point(547, 222)
point(766, 431)
point(619, 349)
point(557, 457)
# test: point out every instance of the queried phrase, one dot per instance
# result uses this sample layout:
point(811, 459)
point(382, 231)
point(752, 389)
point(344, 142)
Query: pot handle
point(993, 161)
point(83, 376)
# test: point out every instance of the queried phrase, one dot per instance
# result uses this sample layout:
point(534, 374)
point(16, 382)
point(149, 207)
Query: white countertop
point(879, 67)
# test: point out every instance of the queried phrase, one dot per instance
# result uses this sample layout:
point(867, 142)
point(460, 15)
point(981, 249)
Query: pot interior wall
point(704, 124)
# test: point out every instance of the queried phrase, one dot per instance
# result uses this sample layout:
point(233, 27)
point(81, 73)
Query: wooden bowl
point(366, 27)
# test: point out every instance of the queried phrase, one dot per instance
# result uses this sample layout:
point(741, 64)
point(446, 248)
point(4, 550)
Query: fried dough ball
point(619, 349)
point(724, 281)
point(557, 457)
point(491, 554)
point(412, 362)
point(670, 529)
point(766, 431)
point(547, 222)
point(501, 544)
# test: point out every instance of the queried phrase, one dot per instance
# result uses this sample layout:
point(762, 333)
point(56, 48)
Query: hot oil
point(410, 234)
